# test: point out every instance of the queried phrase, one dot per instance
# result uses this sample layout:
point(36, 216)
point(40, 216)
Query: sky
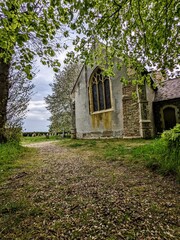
point(37, 115)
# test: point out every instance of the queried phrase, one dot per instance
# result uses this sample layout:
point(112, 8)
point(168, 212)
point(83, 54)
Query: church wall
point(128, 117)
point(102, 124)
point(81, 105)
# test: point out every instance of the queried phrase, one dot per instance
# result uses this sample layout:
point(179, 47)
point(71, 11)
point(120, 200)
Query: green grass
point(157, 157)
point(12, 207)
point(83, 143)
point(10, 154)
point(152, 153)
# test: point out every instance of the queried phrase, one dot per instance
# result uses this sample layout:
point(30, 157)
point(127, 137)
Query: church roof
point(169, 89)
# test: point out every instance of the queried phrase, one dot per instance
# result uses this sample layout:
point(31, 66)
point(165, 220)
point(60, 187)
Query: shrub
point(13, 134)
point(161, 155)
point(172, 138)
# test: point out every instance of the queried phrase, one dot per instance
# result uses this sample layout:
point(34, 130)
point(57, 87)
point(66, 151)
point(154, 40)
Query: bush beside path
point(75, 194)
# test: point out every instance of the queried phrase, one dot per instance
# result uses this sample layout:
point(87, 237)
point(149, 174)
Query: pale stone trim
point(126, 97)
point(145, 121)
point(140, 113)
point(102, 111)
point(141, 120)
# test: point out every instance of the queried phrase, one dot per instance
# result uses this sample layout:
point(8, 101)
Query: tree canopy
point(140, 31)
point(27, 29)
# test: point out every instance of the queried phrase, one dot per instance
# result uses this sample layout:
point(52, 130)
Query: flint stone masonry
point(131, 119)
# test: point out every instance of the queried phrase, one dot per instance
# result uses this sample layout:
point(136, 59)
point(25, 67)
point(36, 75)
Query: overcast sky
point(37, 115)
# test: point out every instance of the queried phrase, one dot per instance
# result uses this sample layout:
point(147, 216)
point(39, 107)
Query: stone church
point(103, 107)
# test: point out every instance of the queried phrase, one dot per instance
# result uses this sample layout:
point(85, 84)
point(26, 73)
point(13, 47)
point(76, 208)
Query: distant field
point(42, 138)
point(39, 139)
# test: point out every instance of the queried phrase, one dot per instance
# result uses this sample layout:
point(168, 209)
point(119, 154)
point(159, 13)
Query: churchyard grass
point(9, 153)
point(12, 154)
point(151, 153)
point(157, 157)
point(14, 158)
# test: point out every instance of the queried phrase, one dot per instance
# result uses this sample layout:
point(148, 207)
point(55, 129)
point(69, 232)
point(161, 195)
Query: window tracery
point(100, 91)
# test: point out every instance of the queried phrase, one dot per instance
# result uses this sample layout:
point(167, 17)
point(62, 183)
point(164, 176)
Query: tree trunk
point(4, 91)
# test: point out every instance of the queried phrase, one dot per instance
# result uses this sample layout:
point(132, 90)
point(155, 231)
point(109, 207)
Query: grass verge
point(157, 157)
point(10, 155)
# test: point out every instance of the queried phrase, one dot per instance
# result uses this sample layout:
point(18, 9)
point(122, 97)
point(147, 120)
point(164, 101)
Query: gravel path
point(72, 195)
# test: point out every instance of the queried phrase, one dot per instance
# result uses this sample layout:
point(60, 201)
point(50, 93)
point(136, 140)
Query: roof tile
point(169, 89)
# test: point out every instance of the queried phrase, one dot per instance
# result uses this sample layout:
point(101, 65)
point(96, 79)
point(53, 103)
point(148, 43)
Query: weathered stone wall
point(127, 117)
point(158, 118)
point(130, 113)
point(102, 124)
point(138, 113)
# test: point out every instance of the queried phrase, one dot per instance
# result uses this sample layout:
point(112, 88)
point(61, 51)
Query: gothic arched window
point(100, 91)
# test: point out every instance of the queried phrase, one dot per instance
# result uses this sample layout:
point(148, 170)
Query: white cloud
point(37, 116)
point(37, 104)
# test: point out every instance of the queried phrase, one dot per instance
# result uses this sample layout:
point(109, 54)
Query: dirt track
point(72, 195)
